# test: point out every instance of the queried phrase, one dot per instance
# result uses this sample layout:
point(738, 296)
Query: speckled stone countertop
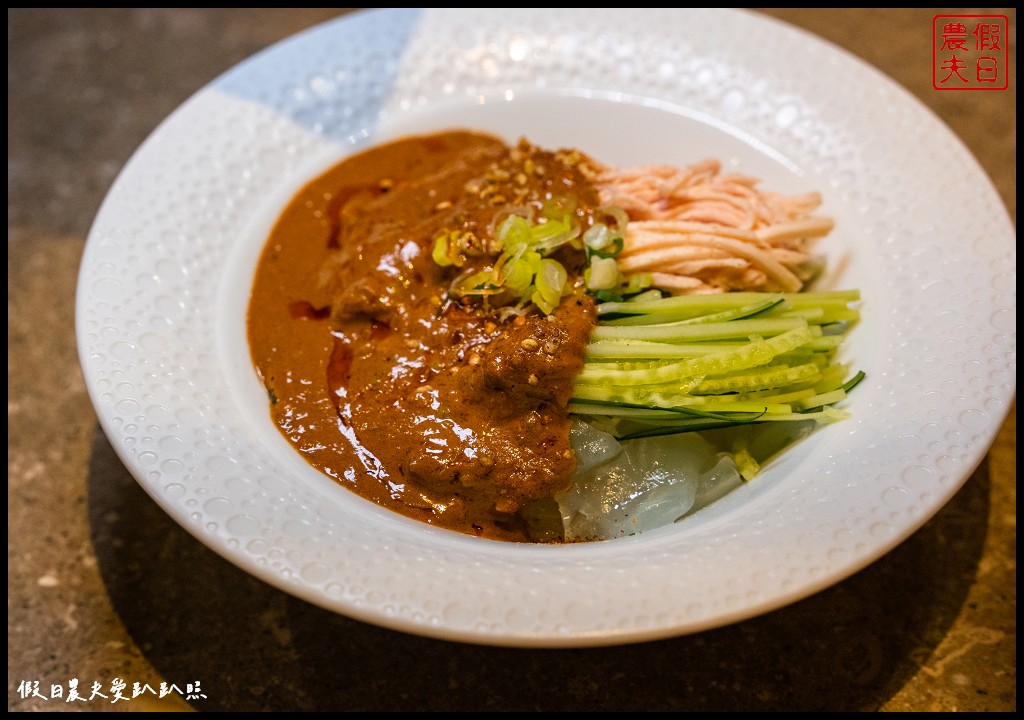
point(103, 587)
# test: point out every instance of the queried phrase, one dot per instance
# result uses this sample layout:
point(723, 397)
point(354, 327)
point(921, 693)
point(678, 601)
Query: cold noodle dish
point(524, 344)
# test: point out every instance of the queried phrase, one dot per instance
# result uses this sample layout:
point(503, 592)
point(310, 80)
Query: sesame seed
point(506, 505)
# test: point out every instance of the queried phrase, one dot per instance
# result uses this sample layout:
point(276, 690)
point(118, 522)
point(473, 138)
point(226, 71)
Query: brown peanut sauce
point(438, 407)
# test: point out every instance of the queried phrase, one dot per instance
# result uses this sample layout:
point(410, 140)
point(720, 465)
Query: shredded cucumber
point(680, 364)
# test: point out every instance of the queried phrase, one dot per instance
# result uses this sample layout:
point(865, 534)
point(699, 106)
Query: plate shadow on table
point(197, 617)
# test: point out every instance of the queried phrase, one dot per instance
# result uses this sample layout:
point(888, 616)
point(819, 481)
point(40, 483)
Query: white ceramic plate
point(168, 265)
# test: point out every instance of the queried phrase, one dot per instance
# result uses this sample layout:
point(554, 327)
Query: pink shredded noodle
point(696, 230)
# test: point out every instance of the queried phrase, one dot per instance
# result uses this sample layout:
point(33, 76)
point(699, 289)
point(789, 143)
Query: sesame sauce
point(444, 409)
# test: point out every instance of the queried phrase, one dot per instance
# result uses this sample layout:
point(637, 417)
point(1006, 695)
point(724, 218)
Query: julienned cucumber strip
point(641, 411)
point(689, 306)
point(683, 331)
point(680, 364)
point(732, 313)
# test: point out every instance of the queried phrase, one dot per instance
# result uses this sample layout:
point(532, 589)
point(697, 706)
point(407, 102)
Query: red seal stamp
point(970, 52)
